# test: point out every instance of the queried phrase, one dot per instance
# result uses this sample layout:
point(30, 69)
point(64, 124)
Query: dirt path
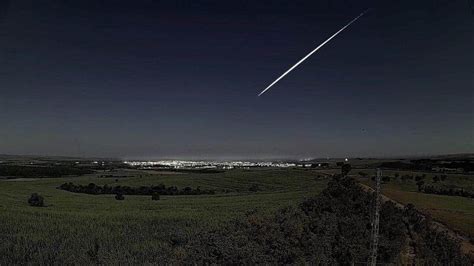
point(466, 246)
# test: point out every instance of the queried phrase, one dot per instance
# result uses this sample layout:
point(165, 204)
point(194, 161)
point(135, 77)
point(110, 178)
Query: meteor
point(312, 52)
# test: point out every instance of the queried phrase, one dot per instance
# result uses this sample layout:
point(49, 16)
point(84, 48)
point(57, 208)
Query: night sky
point(179, 79)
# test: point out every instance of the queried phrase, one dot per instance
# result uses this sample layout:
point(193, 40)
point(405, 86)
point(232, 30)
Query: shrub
point(420, 184)
point(419, 177)
point(254, 188)
point(119, 196)
point(345, 169)
point(155, 196)
point(36, 200)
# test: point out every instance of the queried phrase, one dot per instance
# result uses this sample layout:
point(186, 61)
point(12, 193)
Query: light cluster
point(208, 164)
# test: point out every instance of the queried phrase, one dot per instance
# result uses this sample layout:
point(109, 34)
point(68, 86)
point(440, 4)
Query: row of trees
point(428, 165)
point(126, 190)
point(41, 171)
point(430, 189)
point(154, 196)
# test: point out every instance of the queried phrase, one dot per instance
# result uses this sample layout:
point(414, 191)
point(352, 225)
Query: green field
point(78, 228)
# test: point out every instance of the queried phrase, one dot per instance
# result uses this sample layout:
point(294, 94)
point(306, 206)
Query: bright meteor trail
point(312, 52)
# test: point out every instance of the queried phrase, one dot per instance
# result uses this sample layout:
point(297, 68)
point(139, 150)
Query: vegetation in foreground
point(77, 228)
point(333, 227)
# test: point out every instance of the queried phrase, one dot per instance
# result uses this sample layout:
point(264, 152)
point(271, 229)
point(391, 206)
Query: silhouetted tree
point(155, 196)
point(420, 184)
point(36, 200)
point(419, 177)
point(345, 169)
point(362, 174)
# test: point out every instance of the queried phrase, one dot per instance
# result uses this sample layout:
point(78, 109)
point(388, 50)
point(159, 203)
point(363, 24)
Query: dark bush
point(155, 196)
point(254, 188)
point(345, 169)
point(420, 184)
point(36, 200)
point(119, 196)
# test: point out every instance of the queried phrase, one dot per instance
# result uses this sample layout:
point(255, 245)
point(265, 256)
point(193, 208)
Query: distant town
point(180, 164)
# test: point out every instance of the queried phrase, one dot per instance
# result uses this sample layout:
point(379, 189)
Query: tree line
point(161, 189)
point(428, 165)
point(41, 171)
point(430, 189)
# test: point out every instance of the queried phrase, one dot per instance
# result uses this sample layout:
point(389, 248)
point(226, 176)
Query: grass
point(81, 228)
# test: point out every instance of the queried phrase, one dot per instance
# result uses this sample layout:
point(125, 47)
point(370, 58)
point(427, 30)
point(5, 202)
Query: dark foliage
point(362, 174)
point(430, 189)
point(155, 196)
point(405, 166)
point(254, 188)
point(427, 165)
point(36, 200)
point(345, 169)
point(126, 190)
point(119, 196)
point(41, 171)
point(331, 229)
point(406, 177)
point(433, 246)
point(467, 166)
point(420, 184)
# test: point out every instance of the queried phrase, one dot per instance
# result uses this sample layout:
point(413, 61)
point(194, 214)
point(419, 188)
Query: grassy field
point(79, 228)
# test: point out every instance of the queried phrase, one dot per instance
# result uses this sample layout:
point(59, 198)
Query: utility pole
point(375, 225)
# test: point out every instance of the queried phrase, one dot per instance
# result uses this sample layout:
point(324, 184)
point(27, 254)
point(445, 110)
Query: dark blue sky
point(180, 78)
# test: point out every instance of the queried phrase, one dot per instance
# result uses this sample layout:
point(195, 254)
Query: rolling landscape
point(249, 215)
